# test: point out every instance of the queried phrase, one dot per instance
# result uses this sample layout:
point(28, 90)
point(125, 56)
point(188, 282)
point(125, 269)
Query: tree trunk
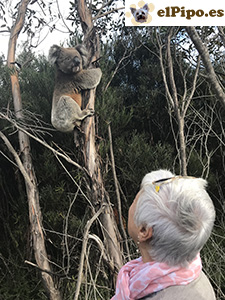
point(203, 51)
point(183, 157)
point(97, 192)
point(177, 108)
point(29, 174)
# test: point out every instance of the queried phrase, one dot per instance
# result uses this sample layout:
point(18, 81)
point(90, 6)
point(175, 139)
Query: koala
point(71, 79)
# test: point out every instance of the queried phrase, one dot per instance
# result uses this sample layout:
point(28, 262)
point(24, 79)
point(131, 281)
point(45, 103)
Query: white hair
point(181, 214)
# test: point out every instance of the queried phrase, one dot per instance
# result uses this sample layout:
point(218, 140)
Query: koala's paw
point(77, 90)
point(86, 113)
point(90, 112)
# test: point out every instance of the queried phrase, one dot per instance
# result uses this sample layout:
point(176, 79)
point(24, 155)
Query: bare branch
point(84, 248)
point(57, 2)
point(203, 51)
point(124, 57)
point(188, 100)
point(42, 270)
point(171, 74)
point(160, 45)
point(117, 192)
point(221, 34)
point(66, 230)
point(17, 159)
point(107, 13)
point(64, 156)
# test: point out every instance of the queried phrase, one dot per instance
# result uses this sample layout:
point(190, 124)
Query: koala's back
point(66, 85)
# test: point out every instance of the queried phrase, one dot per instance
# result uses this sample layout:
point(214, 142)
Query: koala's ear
point(133, 10)
point(145, 7)
point(84, 54)
point(53, 53)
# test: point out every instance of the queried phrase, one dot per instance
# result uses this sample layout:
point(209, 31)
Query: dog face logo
point(140, 15)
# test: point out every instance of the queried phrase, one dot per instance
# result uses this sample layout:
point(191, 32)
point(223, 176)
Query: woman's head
point(180, 213)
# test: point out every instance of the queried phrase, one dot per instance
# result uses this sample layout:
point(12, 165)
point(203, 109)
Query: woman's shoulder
point(199, 289)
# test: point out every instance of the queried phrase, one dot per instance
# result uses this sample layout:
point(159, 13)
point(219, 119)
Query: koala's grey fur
point(71, 78)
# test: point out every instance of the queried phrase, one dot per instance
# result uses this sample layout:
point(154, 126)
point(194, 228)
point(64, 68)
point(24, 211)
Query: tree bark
point(97, 192)
point(183, 155)
point(29, 173)
point(178, 111)
point(203, 51)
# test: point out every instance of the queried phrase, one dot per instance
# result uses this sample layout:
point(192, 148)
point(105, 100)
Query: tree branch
point(19, 163)
point(117, 192)
point(188, 101)
point(20, 128)
point(168, 94)
point(84, 248)
point(203, 51)
point(107, 13)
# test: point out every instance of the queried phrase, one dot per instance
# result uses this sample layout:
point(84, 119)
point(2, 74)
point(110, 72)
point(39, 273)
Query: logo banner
point(174, 13)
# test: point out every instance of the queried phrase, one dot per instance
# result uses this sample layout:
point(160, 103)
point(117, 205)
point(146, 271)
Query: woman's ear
point(144, 233)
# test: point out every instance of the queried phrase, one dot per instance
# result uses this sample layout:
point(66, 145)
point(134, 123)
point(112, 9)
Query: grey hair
point(181, 214)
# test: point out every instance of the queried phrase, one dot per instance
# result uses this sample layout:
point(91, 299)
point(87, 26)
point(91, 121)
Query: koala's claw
point(77, 90)
point(91, 112)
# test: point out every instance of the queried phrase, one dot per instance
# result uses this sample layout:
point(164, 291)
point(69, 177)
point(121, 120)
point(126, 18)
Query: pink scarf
point(137, 279)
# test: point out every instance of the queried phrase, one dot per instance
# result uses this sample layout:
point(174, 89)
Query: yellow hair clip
point(157, 187)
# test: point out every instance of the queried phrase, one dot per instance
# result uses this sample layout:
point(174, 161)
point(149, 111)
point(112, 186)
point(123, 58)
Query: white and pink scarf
point(137, 279)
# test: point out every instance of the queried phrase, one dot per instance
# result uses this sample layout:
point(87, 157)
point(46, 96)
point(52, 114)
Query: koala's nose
point(76, 61)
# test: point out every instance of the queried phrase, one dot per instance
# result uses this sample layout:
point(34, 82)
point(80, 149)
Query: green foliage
point(111, 109)
point(37, 83)
point(5, 85)
point(21, 284)
point(139, 157)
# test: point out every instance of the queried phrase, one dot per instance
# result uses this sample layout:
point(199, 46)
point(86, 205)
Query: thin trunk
point(97, 191)
point(119, 206)
point(177, 109)
point(99, 195)
point(183, 157)
point(29, 174)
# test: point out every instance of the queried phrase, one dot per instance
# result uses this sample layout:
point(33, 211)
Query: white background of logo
point(160, 5)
